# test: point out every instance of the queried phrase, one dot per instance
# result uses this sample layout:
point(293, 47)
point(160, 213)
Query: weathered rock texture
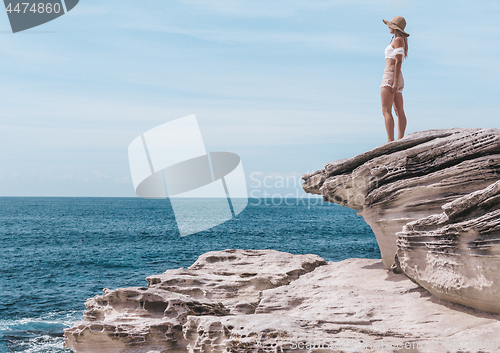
point(409, 179)
point(218, 284)
point(456, 254)
point(269, 301)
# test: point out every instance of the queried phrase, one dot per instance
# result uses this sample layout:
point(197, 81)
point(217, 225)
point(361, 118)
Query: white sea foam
point(67, 318)
point(38, 334)
point(40, 344)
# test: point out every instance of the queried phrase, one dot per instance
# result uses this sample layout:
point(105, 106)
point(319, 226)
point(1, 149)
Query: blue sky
point(287, 85)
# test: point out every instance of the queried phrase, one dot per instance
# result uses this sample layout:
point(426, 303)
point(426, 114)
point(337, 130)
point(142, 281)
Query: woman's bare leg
point(387, 99)
point(398, 108)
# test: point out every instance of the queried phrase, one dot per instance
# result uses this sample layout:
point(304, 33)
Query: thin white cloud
point(327, 41)
point(275, 8)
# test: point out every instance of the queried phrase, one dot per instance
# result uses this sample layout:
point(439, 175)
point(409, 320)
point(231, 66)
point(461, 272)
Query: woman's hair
point(404, 38)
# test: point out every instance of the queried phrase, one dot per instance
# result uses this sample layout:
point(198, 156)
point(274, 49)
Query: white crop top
point(391, 53)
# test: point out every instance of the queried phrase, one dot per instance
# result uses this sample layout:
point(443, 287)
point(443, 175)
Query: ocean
point(58, 251)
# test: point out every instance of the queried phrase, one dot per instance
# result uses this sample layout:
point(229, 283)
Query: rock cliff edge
point(433, 199)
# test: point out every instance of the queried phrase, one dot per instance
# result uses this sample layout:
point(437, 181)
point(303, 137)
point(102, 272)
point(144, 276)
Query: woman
point(392, 83)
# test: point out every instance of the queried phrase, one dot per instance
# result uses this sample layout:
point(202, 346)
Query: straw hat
point(397, 22)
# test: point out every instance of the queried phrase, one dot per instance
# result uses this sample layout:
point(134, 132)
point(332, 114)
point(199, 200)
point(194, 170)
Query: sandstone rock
point(304, 305)
point(219, 283)
point(409, 179)
point(456, 254)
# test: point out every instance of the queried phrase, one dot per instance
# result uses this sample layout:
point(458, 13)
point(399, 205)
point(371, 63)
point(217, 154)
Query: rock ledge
point(271, 301)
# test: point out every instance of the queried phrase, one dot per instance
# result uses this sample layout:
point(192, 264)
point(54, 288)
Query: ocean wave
point(39, 344)
point(59, 319)
point(42, 334)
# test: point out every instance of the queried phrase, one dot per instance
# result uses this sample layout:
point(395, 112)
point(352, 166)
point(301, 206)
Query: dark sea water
point(57, 252)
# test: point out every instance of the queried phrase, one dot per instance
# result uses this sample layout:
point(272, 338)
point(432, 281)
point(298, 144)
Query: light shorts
point(388, 79)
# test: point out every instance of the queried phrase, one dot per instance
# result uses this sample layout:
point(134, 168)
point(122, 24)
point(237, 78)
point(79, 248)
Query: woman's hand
point(394, 88)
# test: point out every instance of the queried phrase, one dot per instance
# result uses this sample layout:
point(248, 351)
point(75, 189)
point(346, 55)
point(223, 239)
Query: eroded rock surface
point(456, 254)
point(219, 283)
point(290, 302)
point(409, 179)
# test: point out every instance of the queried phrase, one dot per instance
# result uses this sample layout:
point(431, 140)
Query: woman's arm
point(397, 69)
point(398, 43)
